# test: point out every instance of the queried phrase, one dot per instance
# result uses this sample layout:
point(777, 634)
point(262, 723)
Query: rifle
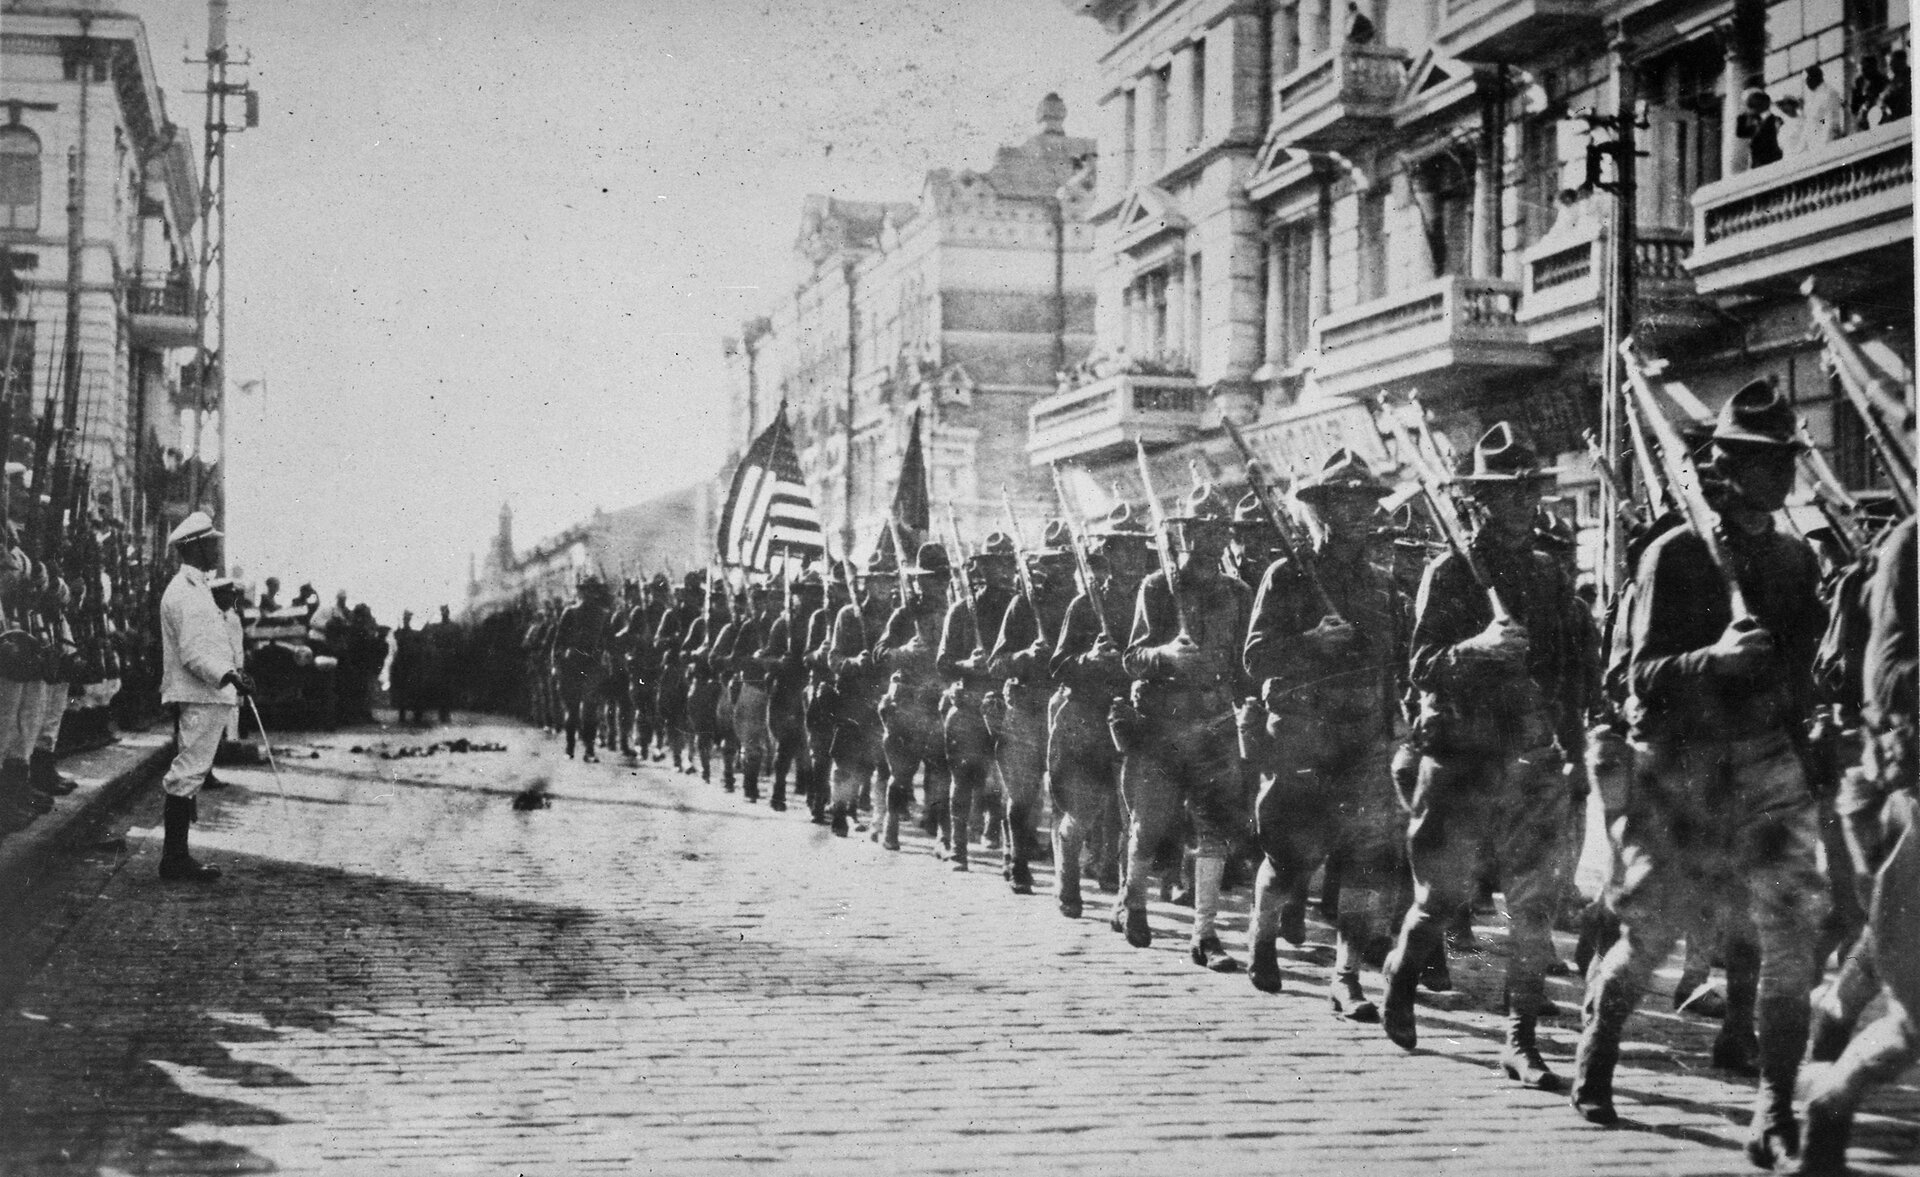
point(853, 598)
point(1682, 477)
point(1299, 556)
point(1836, 502)
point(6, 453)
point(1080, 557)
point(1880, 403)
point(42, 455)
point(965, 581)
point(1020, 569)
point(1162, 541)
point(900, 559)
point(1445, 517)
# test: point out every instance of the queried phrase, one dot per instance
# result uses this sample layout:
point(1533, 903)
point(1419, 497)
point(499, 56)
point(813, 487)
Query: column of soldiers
point(1296, 705)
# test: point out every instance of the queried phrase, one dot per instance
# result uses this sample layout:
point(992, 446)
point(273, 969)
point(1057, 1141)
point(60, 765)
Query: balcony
point(1514, 31)
point(1563, 287)
point(1447, 334)
point(163, 314)
point(1108, 414)
point(1339, 98)
point(1769, 228)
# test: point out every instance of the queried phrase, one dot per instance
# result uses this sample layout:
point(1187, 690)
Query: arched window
point(19, 178)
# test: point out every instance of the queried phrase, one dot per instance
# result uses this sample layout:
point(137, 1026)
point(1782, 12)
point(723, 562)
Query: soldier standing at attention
point(1491, 662)
point(1181, 746)
point(1719, 803)
point(1328, 685)
point(202, 680)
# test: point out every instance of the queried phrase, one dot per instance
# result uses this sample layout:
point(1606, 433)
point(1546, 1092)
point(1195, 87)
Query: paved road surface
point(403, 974)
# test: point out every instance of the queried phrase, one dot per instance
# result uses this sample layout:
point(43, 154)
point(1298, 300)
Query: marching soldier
point(737, 653)
point(709, 678)
point(1179, 729)
point(619, 688)
point(1719, 803)
point(1022, 657)
point(1328, 685)
point(911, 732)
point(856, 753)
point(1083, 766)
point(580, 663)
point(670, 680)
point(963, 660)
point(822, 697)
point(1491, 661)
point(1882, 822)
point(782, 657)
point(1254, 545)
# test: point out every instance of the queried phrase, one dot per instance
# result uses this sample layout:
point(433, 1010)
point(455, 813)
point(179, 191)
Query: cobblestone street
point(401, 973)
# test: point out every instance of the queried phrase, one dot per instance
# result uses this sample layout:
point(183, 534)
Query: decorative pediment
point(1434, 84)
point(1148, 214)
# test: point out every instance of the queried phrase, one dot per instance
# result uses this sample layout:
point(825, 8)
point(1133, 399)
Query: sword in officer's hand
point(1162, 540)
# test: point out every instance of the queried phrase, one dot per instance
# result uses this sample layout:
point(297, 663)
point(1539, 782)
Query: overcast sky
point(486, 252)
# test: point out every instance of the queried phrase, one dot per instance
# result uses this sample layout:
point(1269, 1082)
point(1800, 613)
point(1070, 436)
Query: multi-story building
point(98, 200)
point(1303, 207)
point(965, 306)
point(672, 533)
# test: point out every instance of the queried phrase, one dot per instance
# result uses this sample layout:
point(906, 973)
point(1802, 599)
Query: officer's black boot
point(778, 803)
point(16, 780)
point(44, 775)
point(1404, 965)
point(838, 822)
point(750, 785)
point(1438, 975)
point(1521, 1060)
point(1774, 1134)
point(1264, 966)
point(176, 865)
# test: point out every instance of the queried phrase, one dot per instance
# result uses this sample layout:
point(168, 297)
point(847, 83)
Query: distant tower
point(503, 543)
point(1053, 115)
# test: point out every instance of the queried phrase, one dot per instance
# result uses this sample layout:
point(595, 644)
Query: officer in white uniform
point(202, 678)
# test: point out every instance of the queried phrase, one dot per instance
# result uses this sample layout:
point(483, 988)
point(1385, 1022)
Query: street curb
point(106, 777)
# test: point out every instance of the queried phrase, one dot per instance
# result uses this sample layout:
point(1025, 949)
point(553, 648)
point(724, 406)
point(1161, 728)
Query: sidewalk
point(106, 776)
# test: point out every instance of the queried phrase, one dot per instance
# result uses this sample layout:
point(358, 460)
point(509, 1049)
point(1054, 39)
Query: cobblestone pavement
point(403, 974)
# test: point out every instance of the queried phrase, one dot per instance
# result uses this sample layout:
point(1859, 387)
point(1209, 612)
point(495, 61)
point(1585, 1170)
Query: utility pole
point(211, 301)
point(76, 233)
point(1617, 313)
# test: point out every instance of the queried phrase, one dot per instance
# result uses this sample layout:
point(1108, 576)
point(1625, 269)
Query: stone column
point(1320, 276)
point(1276, 302)
point(1176, 340)
point(1115, 176)
point(1733, 80)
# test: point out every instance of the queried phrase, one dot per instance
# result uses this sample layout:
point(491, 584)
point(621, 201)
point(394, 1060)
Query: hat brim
point(210, 533)
point(1358, 490)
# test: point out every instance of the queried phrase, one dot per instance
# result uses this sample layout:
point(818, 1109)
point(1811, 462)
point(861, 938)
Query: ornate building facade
point(965, 306)
point(1305, 207)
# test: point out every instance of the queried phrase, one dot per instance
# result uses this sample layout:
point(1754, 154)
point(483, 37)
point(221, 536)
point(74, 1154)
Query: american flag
point(769, 511)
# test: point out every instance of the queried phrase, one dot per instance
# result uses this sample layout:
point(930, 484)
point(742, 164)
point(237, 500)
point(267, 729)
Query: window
point(1682, 92)
point(1196, 307)
point(1157, 121)
point(1292, 272)
point(1373, 244)
point(19, 179)
point(1443, 195)
point(1199, 120)
point(1130, 119)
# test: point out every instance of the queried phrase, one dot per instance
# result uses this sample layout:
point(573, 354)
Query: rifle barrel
point(1300, 556)
point(1080, 556)
point(1162, 539)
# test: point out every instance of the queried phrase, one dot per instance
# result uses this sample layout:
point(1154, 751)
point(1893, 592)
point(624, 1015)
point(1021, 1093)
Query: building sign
point(1299, 444)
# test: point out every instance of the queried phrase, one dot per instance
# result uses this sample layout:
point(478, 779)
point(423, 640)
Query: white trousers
point(197, 739)
point(13, 696)
point(26, 721)
point(53, 709)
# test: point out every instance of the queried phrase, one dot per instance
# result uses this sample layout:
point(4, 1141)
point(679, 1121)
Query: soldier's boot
point(44, 774)
point(1066, 867)
point(15, 813)
point(1521, 1060)
point(1263, 928)
point(1403, 968)
point(837, 820)
point(778, 802)
point(1020, 849)
point(1293, 919)
point(1264, 968)
point(1823, 1152)
point(1774, 1134)
point(17, 776)
point(750, 781)
point(1139, 933)
point(570, 738)
point(1350, 925)
point(1735, 1047)
point(1437, 977)
point(1205, 949)
point(897, 801)
point(1349, 998)
point(996, 818)
point(176, 865)
point(1609, 1002)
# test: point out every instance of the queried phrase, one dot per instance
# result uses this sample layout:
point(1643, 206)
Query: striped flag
point(769, 511)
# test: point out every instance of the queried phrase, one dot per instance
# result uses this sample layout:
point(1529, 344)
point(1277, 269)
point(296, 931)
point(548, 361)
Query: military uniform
point(1328, 688)
point(912, 734)
point(971, 690)
point(1494, 737)
point(1719, 804)
point(580, 663)
point(855, 752)
point(1022, 657)
point(1181, 747)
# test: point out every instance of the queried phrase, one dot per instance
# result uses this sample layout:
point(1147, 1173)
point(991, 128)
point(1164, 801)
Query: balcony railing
point(1514, 30)
point(1564, 285)
point(1107, 415)
point(1338, 98)
point(163, 314)
point(1450, 331)
point(1774, 225)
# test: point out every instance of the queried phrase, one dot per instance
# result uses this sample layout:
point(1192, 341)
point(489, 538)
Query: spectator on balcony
point(1896, 101)
point(1574, 218)
point(1359, 27)
point(1826, 112)
point(1795, 134)
point(270, 595)
point(1760, 127)
point(1867, 88)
